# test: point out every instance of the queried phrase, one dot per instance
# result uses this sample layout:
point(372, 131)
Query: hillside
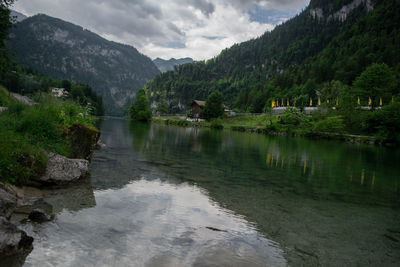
point(65, 51)
point(167, 65)
point(328, 41)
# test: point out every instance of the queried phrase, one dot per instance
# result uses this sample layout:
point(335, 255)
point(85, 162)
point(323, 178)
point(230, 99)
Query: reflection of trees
point(311, 168)
point(140, 134)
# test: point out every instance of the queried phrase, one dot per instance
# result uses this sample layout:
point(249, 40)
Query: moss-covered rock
point(83, 140)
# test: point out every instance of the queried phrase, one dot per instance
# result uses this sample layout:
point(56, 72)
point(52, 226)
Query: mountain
point(17, 17)
point(63, 50)
point(168, 65)
point(329, 42)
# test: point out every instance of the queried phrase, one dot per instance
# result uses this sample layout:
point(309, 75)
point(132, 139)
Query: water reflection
point(297, 191)
point(152, 223)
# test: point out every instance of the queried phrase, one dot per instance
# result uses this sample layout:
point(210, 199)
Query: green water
point(156, 191)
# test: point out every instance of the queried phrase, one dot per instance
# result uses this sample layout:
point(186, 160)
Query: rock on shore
point(12, 239)
point(62, 170)
point(8, 203)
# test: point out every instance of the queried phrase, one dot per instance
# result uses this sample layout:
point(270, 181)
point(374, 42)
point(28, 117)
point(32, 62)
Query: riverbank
point(277, 125)
point(43, 143)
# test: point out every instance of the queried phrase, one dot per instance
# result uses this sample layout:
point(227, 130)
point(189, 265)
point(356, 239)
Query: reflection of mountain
point(297, 191)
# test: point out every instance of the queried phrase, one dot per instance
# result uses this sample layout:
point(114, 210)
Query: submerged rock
point(39, 216)
point(62, 170)
point(12, 239)
point(8, 203)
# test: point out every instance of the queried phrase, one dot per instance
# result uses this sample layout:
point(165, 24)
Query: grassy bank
point(380, 126)
point(27, 133)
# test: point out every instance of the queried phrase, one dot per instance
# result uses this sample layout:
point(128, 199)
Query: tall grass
point(27, 133)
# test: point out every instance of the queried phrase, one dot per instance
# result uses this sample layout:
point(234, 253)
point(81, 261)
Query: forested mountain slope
point(315, 54)
point(65, 51)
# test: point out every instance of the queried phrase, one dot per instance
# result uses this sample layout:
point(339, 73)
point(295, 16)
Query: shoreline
point(349, 138)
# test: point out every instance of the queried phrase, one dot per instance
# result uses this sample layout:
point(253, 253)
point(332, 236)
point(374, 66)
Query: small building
point(59, 92)
point(197, 106)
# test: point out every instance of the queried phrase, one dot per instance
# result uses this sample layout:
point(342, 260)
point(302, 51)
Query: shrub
point(330, 125)
point(216, 124)
point(386, 123)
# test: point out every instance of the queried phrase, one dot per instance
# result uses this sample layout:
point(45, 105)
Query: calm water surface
point(169, 196)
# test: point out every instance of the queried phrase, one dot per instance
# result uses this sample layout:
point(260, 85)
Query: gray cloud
point(174, 28)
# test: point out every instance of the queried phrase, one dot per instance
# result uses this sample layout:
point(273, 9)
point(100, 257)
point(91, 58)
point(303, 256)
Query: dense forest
point(316, 55)
point(23, 80)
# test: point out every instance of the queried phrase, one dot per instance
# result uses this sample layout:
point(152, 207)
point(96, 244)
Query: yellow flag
point(282, 103)
point(319, 101)
point(380, 102)
point(358, 101)
point(327, 101)
point(369, 102)
point(287, 102)
point(273, 104)
point(310, 102)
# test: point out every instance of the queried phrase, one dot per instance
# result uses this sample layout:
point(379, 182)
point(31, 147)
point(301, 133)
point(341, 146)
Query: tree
point(162, 107)
point(376, 81)
point(140, 110)
point(214, 107)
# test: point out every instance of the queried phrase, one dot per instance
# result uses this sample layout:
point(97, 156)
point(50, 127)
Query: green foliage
point(377, 81)
point(216, 123)
point(333, 124)
point(162, 107)
point(386, 122)
point(140, 110)
point(214, 107)
point(27, 132)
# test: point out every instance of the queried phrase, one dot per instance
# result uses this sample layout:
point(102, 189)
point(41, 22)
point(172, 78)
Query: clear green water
point(157, 192)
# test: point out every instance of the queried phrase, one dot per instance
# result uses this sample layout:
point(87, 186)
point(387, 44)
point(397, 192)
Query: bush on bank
point(28, 133)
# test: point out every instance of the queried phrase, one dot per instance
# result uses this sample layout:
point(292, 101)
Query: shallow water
point(169, 196)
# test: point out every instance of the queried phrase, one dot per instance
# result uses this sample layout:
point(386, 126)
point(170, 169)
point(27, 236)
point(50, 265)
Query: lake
point(169, 196)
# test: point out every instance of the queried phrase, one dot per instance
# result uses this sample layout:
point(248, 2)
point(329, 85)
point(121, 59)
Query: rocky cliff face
point(343, 12)
point(65, 51)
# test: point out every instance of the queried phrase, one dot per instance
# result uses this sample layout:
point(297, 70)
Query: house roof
point(199, 102)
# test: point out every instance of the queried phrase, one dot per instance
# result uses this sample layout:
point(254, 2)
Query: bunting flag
point(273, 103)
point(369, 102)
point(287, 102)
point(282, 103)
point(319, 101)
point(327, 101)
point(310, 102)
point(358, 101)
point(380, 102)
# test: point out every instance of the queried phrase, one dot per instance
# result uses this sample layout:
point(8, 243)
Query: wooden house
point(197, 106)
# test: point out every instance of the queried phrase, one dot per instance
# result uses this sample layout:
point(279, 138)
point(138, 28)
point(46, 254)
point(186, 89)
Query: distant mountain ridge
point(168, 65)
point(63, 50)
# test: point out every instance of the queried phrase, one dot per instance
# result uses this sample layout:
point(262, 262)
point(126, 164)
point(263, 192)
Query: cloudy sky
point(173, 28)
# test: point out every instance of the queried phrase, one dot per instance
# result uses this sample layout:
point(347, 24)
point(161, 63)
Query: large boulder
point(83, 140)
point(62, 170)
point(8, 203)
point(12, 239)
